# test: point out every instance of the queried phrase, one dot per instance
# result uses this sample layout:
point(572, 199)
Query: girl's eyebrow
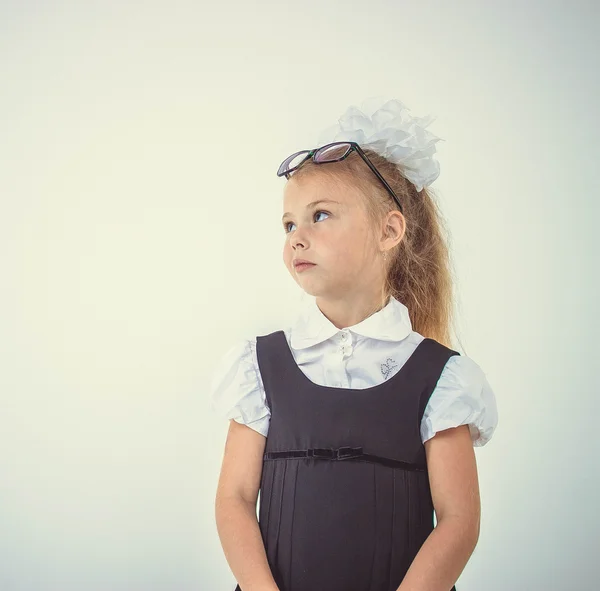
point(311, 204)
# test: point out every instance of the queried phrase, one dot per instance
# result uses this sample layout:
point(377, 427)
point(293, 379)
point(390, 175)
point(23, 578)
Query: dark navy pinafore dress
point(344, 501)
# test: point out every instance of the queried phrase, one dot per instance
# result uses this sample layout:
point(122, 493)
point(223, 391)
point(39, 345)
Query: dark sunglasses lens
point(292, 161)
point(332, 153)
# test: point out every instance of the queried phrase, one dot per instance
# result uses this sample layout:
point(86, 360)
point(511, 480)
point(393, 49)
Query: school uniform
point(345, 502)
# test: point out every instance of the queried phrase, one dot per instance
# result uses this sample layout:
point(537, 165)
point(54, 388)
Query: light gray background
point(140, 237)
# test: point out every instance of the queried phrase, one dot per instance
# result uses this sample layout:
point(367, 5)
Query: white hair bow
point(387, 128)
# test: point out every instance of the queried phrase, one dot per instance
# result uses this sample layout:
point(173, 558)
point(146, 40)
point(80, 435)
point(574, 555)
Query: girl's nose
point(299, 237)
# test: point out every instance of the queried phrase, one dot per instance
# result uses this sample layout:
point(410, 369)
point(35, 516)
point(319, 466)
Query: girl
point(358, 421)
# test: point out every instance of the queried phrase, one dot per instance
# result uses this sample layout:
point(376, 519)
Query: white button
point(344, 335)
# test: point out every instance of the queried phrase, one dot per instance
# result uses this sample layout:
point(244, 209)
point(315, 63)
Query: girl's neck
point(346, 312)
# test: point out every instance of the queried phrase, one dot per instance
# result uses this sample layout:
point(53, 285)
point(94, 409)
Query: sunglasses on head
point(333, 152)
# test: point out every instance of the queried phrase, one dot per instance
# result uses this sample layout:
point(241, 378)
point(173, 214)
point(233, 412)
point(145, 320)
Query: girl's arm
point(455, 492)
point(235, 509)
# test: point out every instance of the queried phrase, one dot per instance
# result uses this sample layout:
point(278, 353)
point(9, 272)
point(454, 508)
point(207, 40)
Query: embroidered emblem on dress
point(386, 368)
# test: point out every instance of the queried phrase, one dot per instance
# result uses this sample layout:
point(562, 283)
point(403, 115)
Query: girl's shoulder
point(240, 360)
point(459, 368)
point(462, 396)
point(236, 388)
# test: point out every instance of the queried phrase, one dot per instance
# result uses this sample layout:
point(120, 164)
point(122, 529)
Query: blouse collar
point(391, 323)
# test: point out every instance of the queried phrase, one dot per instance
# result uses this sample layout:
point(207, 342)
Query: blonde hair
point(418, 269)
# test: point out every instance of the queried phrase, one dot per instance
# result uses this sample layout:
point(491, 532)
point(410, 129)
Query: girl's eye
point(287, 224)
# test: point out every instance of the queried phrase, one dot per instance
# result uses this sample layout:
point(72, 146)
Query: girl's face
point(333, 234)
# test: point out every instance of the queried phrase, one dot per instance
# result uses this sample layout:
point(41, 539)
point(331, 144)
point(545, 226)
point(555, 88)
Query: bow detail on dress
point(341, 453)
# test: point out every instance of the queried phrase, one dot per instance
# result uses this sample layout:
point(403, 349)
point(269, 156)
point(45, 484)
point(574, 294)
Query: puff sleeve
point(462, 396)
point(236, 390)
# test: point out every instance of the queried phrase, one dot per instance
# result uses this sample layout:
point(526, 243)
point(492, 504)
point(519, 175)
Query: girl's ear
point(396, 223)
point(393, 229)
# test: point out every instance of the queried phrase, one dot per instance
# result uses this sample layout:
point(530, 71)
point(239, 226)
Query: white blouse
point(357, 357)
